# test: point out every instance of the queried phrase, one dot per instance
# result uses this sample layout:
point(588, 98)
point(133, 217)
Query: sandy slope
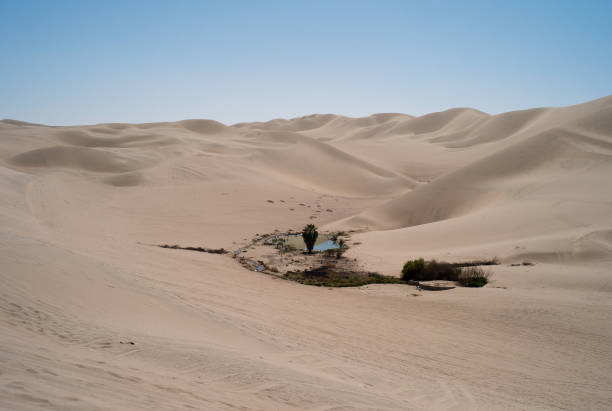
point(81, 206)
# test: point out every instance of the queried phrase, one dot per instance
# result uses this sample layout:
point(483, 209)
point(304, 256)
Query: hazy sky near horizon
point(78, 62)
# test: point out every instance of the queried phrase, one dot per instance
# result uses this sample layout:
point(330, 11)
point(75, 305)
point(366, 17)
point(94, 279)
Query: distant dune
point(547, 172)
point(92, 316)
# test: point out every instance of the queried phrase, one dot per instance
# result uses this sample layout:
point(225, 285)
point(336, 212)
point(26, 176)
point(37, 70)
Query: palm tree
point(310, 234)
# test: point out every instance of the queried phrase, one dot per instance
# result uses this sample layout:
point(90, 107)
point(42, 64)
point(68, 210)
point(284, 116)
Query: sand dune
point(72, 157)
point(94, 316)
point(84, 139)
point(203, 126)
point(533, 156)
point(563, 170)
point(309, 163)
point(546, 158)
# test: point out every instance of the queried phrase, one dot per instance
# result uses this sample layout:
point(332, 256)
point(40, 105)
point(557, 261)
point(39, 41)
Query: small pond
point(324, 242)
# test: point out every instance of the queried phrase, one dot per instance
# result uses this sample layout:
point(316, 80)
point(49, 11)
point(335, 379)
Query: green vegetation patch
point(421, 270)
point(476, 263)
point(467, 274)
point(473, 277)
point(329, 277)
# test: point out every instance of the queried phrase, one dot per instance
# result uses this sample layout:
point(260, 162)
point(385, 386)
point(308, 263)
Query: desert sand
point(93, 317)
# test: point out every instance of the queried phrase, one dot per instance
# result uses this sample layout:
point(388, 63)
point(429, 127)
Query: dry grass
point(474, 277)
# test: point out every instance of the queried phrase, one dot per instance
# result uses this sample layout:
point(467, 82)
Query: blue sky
point(64, 62)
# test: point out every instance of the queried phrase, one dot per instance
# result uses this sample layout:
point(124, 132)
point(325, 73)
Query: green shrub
point(473, 277)
point(421, 270)
point(466, 274)
point(439, 270)
point(413, 269)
